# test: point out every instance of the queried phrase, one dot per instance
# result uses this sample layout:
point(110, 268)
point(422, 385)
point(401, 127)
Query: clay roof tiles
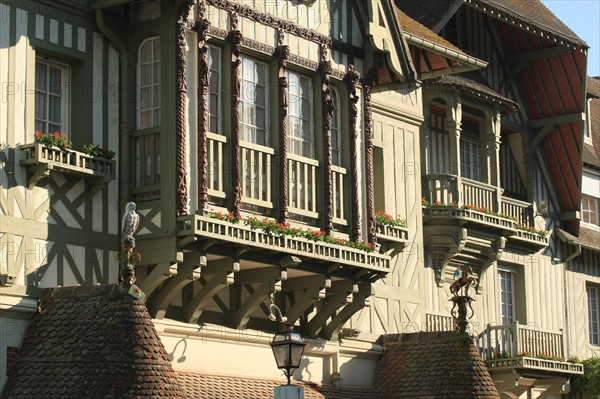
point(433, 365)
point(203, 386)
point(91, 342)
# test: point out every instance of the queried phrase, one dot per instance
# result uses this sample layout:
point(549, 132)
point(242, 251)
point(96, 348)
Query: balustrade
point(256, 161)
point(302, 186)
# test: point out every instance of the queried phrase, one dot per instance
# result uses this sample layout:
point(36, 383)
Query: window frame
point(139, 86)
point(218, 92)
point(65, 96)
point(473, 170)
point(267, 95)
point(588, 211)
point(593, 323)
point(311, 119)
point(502, 317)
point(336, 129)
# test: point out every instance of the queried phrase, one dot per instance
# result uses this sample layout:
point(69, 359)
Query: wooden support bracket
point(160, 273)
point(187, 272)
point(222, 277)
point(342, 294)
point(360, 301)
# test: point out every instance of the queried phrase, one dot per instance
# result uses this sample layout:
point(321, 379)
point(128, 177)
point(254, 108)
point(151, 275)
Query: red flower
point(38, 133)
point(57, 134)
point(64, 135)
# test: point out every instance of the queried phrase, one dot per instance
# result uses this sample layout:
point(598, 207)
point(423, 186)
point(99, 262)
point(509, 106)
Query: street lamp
point(288, 347)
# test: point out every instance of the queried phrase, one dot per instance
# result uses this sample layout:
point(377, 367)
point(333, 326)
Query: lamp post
point(288, 347)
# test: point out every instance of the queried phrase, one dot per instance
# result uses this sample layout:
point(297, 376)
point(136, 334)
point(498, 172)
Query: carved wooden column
point(182, 198)
point(282, 53)
point(327, 107)
point(369, 184)
point(492, 154)
point(201, 28)
point(352, 80)
point(235, 38)
point(454, 128)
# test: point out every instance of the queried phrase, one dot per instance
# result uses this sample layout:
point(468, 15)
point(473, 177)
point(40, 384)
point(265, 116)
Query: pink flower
point(38, 133)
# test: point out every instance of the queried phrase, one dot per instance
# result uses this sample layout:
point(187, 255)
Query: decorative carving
point(288, 26)
point(282, 53)
point(235, 38)
point(128, 257)
point(180, 98)
point(269, 50)
point(352, 80)
point(202, 26)
point(369, 179)
point(327, 106)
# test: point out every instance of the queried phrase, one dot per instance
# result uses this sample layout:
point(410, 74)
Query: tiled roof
point(433, 365)
point(91, 342)
point(411, 26)
point(593, 86)
point(589, 238)
point(203, 386)
point(432, 12)
point(428, 12)
point(474, 82)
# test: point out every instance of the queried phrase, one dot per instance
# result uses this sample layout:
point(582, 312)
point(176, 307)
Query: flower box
point(41, 159)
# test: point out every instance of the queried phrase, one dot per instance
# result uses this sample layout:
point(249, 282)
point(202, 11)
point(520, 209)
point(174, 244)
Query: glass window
point(336, 140)
point(593, 322)
point(253, 101)
point(469, 160)
point(51, 96)
point(149, 83)
point(506, 282)
point(300, 126)
point(214, 89)
point(589, 209)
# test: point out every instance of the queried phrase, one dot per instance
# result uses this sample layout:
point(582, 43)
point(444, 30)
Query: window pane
point(40, 76)
point(54, 108)
point(55, 81)
point(40, 106)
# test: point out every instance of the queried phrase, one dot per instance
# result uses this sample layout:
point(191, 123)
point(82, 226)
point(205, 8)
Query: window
point(469, 159)
point(301, 136)
point(51, 96)
point(506, 282)
point(149, 83)
point(336, 140)
point(214, 89)
point(589, 209)
point(253, 102)
point(593, 322)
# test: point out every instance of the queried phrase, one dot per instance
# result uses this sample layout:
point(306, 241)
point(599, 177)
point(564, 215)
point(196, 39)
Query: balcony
point(477, 204)
point(200, 227)
point(526, 349)
point(40, 160)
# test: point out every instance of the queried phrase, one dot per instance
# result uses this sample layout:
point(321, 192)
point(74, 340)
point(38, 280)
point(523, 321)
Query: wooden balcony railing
point(302, 186)
point(205, 227)
point(256, 161)
point(517, 345)
point(40, 159)
point(448, 188)
point(436, 322)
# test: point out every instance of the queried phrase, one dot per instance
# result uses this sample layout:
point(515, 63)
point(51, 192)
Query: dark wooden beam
point(533, 55)
point(557, 120)
point(157, 276)
point(359, 301)
point(342, 293)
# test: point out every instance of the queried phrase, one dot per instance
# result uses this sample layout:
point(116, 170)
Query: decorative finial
point(128, 257)
point(462, 281)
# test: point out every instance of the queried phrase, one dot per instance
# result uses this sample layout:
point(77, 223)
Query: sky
point(583, 17)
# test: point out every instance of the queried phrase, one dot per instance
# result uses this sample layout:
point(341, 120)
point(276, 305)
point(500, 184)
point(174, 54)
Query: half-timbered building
point(337, 159)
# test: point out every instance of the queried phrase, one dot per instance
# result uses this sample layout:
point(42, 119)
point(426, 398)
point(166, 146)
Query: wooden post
point(203, 85)
point(453, 125)
point(235, 38)
point(352, 80)
point(328, 107)
point(282, 53)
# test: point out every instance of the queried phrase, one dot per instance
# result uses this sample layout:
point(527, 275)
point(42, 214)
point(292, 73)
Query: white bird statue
point(129, 222)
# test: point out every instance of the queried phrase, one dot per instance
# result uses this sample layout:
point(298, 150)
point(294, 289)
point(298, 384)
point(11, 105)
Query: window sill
point(40, 160)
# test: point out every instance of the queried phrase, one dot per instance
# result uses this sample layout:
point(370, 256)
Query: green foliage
point(588, 384)
point(97, 151)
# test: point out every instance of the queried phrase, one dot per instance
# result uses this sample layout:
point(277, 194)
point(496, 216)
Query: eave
point(435, 55)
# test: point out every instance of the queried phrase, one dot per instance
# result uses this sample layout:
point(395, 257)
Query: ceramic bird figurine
point(129, 222)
